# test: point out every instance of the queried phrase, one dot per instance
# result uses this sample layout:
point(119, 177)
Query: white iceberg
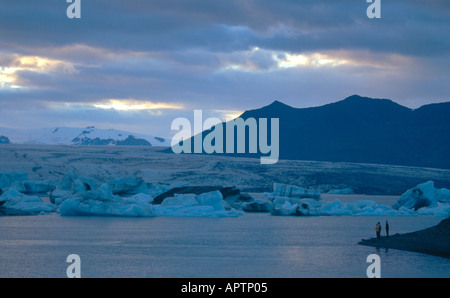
point(102, 202)
point(285, 209)
point(15, 203)
point(208, 204)
point(291, 191)
point(423, 195)
point(442, 210)
point(304, 207)
point(424, 199)
point(361, 208)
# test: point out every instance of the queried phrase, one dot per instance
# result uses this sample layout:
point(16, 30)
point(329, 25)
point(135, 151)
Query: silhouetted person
point(378, 230)
point(387, 229)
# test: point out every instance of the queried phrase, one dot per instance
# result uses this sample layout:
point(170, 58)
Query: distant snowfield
point(67, 135)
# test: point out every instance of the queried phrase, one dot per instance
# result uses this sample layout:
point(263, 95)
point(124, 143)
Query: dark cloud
point(215, 55)
point(406, 27)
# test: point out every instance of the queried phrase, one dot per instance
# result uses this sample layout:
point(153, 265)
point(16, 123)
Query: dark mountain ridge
point(362, 130)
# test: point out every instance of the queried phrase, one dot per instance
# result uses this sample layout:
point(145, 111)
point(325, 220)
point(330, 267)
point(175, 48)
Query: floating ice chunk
point(74, 183)
point(37, 187)
point(128, 185)
point(139, 198)
point(16, 203)
point(335, 208)
point(208, 204)
point(213, 198)
point(181, 200)
point(58, 196)
point(311, 207)
point(155, 190)
point(11, 179)
point(423, 195)
point(258, 205)
point(79, 186)
point(75, 207)
point(67, 181)
point(285, 209)
point(102, 202)
point(442, 210)
point(291, 191)
point(19, 181)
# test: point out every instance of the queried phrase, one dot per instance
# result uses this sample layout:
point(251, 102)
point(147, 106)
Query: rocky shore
point(434, 240)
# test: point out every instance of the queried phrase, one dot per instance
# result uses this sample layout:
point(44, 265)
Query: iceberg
point(13, 202)
point(309, 207)
point(306, 207)
point(291, 191)
point(19, 181)
point(37, 187)
point(257, 205)
point(102, 202)
point(71, 184)
point(422, 200)
point(423, 195)
point(209, 204)
point(442, 210)
point(128, 185)
point(285, 209)
point(12, 179)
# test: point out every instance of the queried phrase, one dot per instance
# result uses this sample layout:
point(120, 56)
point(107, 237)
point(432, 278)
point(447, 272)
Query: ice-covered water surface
point(103, 163)
point(252, 245)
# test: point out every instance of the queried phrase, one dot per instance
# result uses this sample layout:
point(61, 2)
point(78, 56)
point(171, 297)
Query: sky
point(137, 65)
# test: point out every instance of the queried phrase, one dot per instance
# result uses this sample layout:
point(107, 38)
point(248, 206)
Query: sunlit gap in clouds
point(265, 60)
point(9, 77)
point(312, 60)
point(135, 105)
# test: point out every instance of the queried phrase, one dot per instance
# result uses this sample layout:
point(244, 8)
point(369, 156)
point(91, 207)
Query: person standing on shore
point(387, 229)
point(378, 230)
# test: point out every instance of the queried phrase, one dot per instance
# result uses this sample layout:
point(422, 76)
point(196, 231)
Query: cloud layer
point(137, 64)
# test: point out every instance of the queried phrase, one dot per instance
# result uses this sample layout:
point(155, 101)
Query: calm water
point(253, 245)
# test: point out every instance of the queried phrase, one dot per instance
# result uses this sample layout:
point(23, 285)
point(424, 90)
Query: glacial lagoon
point(252, 245)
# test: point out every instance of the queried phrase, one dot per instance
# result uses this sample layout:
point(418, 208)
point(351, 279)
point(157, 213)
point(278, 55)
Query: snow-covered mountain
point(81, 136)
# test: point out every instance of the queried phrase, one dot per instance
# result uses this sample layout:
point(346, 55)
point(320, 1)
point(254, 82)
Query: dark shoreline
point(433, 241)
